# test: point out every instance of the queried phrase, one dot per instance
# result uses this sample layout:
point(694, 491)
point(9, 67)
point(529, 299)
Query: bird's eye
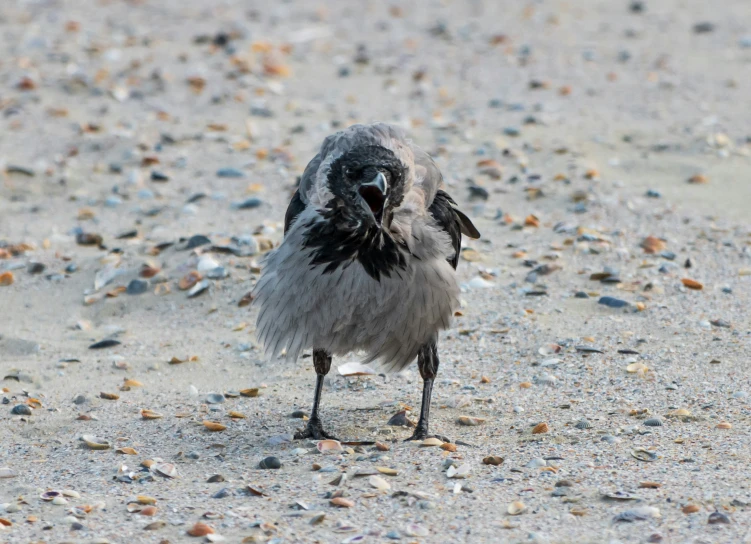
point(349, 172)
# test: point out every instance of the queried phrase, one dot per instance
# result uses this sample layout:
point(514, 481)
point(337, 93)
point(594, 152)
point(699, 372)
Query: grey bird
point(367, 263)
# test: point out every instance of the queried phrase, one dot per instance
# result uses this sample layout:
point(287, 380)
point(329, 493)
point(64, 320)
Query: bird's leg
point(427, 362)
point(314, 429)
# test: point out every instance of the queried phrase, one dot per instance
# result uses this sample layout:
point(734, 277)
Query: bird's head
point(370, 182)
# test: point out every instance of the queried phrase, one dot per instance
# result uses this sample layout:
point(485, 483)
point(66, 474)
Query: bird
point(367, 262)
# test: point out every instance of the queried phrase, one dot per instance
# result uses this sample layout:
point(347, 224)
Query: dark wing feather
point(443, 211)
point(296, 206)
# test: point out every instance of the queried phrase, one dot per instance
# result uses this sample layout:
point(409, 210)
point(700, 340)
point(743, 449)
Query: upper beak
point(374, 195)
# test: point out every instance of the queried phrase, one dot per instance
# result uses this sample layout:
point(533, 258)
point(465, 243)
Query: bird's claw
point(421, 433)
point(314, 430)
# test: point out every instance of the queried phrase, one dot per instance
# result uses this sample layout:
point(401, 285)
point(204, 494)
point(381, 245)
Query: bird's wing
point(452, 221)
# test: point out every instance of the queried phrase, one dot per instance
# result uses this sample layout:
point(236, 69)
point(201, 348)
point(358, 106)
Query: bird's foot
point(313, 430)
point(421, 433)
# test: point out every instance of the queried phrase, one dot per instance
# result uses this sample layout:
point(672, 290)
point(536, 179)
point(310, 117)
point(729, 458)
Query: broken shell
point(252, 392)
point(131, 383)
point(650, 485)
point(150, 414)
point(653, 422)
point(329, 446)
point(215, 398)
point(342, 502)
point(692, 284)
point(461, 472)
point(155, 525)
point(717, 517)
point(431, 442)
point(189, 280)
point(652, 245)
point(94, 442)
point(447, 446)
point(356, 369)
point(200, 529)
point(400, 419)
point(635, 368)
point(146, 500)
point(578, 512)
point(168, 470)
point(386, 470)
point(540, 428)
point(516, 508)
point(494, 460)
point(690, 509)
point(583, 424)
point(643, 455)
point(724, 425)
point(637, 514)
point(148, 511)
point(620, 496)
point(680, 412)
point(380, 446)
point(525, 385)
point(379, 483)
point(109, 396)
point(126, 451)
point(213, 426)
point(199, 288)
point(470, 421)
point(50, 495)
point(236, 415)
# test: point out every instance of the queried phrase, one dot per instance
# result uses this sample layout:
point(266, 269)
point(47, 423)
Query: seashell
point(131, 383)
point(236, 415)
point(109, 396)
point(167, 470)
point(329, 446)
point(150, 414)
point(7, 472)
point(546, 379)
point(717, 517)
point(400, 419)
point(341, 502)
point(680, 412)
point(583, 424)
point(258, 493)
point(126, 451)
point(637, 514)
point(549, 349)
point(564, 483)
point(59, 501)
point(692, 284)
point(724, 425)
point(155, 525)
point(578, 511)
point(525, 385)
point(470, 421)
point(339, 480)
point(200, 529)
point(199, 288)
point(271, 462)
point(652, 245)
point(94, 442)
point(213, 426)
point(461, 472)
point(637, 368)
point(148, 511)
point(653, 422)
point(379, 483)
point(494, 460)
point(189, 280)
point(145, 500)
point(387, 471)
point(537, 462)
point(252, 392)
point(531, 221)
point(690, 509)
point(620, 496)
point(356, 369)
point(516, 508)
point(6, 278)
point(380, 446)
point(50, 495)
point(643, 455)
point(447, 446)
point(650, 485)
point(147, 463)
point(540, 428)
point(430, 442)
point(215, 398)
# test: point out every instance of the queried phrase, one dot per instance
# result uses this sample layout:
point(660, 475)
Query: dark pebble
point(298, 414)
point(221, 494)
point(72, 267)
point(636, 7)
point(247, 204)
point(76, 526)
point(156, 175)
point(703, 28)
point(511, 131)
point(399, 419)
point(193, 455)
point(217, 273)
point(717, 517)
point(669, 255)
point(261, 112)
point(215, 478)
point(79, 399)
point(137, 287)
point(727, 290)
point(35, 268)
point(475, 191)
point(197, 241)
point(344, 71)
point(127, 234)
point(581, 294)
point(230, 173)
point(15, 169)
point(196, 197)
point(109, 343)
point(270, 463)
point(21, 410)
point(88, 239)
point(116, 168)
point(612, 302)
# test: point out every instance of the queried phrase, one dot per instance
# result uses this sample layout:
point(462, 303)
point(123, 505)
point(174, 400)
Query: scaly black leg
point(314, 429)
point(427, 362)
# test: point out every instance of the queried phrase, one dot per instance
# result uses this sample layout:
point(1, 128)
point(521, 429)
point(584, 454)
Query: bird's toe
point(314, 430)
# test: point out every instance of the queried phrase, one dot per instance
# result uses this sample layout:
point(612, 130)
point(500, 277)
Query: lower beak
point(373, 195)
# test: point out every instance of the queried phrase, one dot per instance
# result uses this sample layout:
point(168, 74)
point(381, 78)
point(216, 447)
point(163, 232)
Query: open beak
point(373, 195)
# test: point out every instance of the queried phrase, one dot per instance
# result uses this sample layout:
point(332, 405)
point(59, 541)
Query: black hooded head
point(369, 180)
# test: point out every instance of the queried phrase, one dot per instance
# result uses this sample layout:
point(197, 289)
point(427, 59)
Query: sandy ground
point(578, 110)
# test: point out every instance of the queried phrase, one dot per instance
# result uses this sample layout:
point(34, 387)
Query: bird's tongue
point(374, 198)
